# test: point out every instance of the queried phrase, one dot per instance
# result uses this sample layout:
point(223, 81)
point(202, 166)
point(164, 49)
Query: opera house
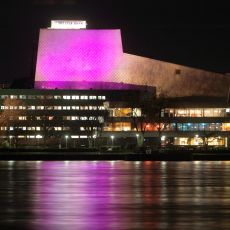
point(88, 92)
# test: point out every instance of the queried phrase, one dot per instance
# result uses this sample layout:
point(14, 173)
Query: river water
point(70, 195)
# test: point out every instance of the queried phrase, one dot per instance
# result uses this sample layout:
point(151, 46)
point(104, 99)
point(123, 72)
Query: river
point(70, 195)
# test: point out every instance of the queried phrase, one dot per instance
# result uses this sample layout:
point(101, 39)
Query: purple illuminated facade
point(78, 59)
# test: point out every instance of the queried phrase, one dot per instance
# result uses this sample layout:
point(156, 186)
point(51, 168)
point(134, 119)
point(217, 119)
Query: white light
point(68, 24)
point(163, 138)
point(66, 136)
point(137, 135)
point(112, 137)
point(196, 135)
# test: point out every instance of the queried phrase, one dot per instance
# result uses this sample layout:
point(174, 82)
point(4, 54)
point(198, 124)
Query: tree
point(150, 114)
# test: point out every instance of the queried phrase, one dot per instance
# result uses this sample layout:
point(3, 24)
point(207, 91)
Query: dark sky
point(193, 33)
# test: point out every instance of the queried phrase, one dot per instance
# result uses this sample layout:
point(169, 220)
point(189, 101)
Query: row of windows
point(65, 97)
point(50, 118)
point(38, 128)
point(32, 107)
point(195, 112)
point(40, 136)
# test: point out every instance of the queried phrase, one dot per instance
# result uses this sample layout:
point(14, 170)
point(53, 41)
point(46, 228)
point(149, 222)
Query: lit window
point(83, 107)
point(13, 96)
point(66, 118)
point(83, 118)
point(92, 107)
point(73, 118)
point(66, 97)
point(57, 97)
point(92, 97)
point(75, 97)
point(74, 136)
point(83, 136)
point(84, 97)
point(101, 97)
point(38, 128)
point(82, 128)
point(11, 128)
point(22, 118)
point(58, 128)
point(22, 96)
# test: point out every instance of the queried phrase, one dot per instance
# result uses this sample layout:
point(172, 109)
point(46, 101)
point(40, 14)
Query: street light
point(10, 140)
point(66, 138)
point(137, 135)
point(112, 137)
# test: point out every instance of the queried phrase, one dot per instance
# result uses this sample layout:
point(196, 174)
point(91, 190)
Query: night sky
point(192, 33)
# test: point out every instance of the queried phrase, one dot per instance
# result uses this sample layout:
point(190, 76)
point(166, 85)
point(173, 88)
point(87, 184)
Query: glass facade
point(196, 112)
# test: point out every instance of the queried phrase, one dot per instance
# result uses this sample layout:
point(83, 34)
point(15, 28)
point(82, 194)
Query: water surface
point(53, 195)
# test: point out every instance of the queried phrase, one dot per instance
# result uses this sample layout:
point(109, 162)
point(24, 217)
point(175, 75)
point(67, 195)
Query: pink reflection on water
point(71, 194)
point(95, 195)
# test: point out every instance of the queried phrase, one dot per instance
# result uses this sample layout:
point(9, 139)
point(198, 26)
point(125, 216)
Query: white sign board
point(67, 24)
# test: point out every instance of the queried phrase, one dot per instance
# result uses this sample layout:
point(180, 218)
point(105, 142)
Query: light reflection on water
point(66, 195)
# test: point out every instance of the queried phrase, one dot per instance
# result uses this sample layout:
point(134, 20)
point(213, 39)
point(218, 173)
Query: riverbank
point(93, 154)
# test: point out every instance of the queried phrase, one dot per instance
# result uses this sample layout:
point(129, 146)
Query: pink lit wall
point(66, 56)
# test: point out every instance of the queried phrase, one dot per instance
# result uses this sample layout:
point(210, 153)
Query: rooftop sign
point(68, 24)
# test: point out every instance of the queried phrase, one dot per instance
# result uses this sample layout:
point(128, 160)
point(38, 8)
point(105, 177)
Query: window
point(49, 97)
point(4, 96)
point(22, 118)
point(13, 96)
point(92, 97)
point(75, 97)
point(66, 118)
point(101, 97)
point(92, 118)
point(73, 118)
point(40, 97)
point(22, 96)
point(66, 97)
point(84, 97)
point(92, 107)
point(101, 108)
point(84, 107)
point(31, 97)
point(57, 97)
point(59, 128)
point(75, 107)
